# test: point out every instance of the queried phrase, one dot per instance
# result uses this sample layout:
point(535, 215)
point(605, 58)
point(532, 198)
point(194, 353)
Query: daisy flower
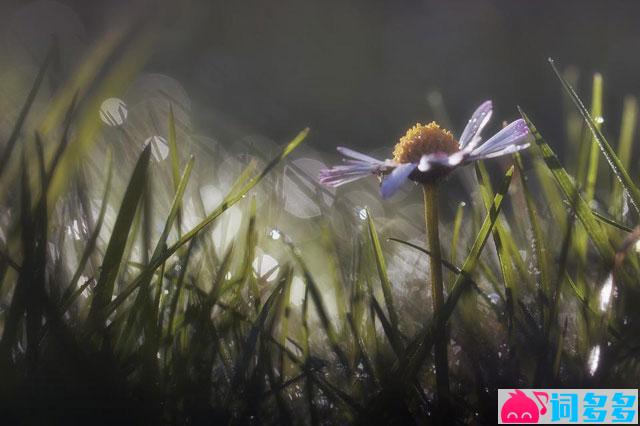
point(427, 153)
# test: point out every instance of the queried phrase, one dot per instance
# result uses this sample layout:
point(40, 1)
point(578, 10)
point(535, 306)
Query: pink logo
point(519, 408)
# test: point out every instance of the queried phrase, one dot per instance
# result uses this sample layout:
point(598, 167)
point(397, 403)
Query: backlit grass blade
point(418, 352)
point(539, 244)
point(450, 266)
point(611, 222)
point(173, 148)
point(233, 197)
point(613, 160)
point(24, 112)
point(120, 235)
point(500, 235)
point(457, 224)
point(19, 300)
point(248, 348)
point(382, 272)
point(596, 111)
point(71, 292)
point(318, 301)
point(570, 192)
point(627, 133)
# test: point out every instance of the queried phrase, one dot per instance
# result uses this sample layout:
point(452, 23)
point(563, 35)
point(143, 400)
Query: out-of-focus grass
point(148, 317)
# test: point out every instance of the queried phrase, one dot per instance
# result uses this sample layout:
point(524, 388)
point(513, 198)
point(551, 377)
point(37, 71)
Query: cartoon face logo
point(519, 408)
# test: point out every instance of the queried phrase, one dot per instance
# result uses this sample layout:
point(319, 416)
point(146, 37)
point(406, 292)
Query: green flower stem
point(430, 191)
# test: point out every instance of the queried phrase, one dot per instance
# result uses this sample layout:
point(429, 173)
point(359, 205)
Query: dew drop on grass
point(362, 213)
point(599, 119)
point(275, 234)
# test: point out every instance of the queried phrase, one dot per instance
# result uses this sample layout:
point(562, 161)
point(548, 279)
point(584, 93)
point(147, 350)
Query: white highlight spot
point(594, 359)
point(605, 293)
point(266, 267)
point(297, 291)
point(275, 234)
point(113, 112)
point(362, 214)
point(211, 197)
point(159, 147)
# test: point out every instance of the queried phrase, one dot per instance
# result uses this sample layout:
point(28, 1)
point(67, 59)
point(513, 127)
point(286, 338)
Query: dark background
point(358, 72)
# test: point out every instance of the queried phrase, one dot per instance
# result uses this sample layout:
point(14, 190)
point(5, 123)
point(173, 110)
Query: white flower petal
point(516, 133)
point(471, 134)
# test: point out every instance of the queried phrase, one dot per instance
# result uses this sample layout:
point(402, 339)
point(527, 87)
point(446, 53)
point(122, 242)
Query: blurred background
point(358, 72)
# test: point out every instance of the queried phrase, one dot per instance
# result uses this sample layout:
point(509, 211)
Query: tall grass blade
point(120, 235)
point(571, 194)
point(382, 272)
point(24, 112)
point(596, 111)
point(233, 197)
point(613, 160)
point(625, 145)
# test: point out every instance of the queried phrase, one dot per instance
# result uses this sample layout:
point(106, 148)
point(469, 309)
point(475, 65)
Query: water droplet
point(599, 119)
point(275, 234)
point(362, 214)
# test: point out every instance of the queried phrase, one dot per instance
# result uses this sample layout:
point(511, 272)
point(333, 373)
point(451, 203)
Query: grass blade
point(382, 272)
point(120, 234)
point(613, 160)
point(570, 192)
point(24, 112)
point(233, 197)
point(627, 132)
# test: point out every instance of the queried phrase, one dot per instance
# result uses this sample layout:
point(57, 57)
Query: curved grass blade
point(24, 112)
point(611, 222)
point(382, 272)
point(70, 293)
point(115, 248)
point(570, 192)
point(233, 197)
point(608, 152)
point(316, 296)
point(500, 236)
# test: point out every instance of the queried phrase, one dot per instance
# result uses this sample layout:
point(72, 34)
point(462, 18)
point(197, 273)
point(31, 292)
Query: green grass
point(146, 317)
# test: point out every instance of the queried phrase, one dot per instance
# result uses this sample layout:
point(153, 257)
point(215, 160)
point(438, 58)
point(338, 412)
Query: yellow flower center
point(423, 140)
